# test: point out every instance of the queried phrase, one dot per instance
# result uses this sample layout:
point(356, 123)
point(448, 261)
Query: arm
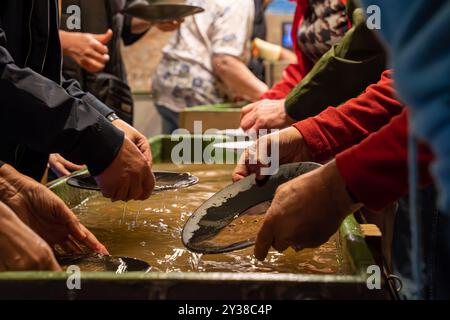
point(238, 78)
point(422, 64)
point(345, 71)
point(48, 116)
point(336, 129)
point(376, 170)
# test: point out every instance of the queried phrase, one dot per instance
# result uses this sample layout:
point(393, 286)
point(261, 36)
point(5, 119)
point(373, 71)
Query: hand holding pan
point(165, 180)
point(230, 220)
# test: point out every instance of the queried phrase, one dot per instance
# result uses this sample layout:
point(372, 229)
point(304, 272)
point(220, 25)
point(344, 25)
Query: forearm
point(238, 78)
point(336, 129)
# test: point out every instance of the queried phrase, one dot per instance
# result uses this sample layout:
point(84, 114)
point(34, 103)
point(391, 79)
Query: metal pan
point(165, 180)
point(160, 12)
point(230, 219)
point(102, 263)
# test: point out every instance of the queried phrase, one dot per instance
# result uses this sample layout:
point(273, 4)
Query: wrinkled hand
point(265, 114)
point(136, 137)
point(305, 212)
point(62, 167)
point(88, 50)
point(169, 26)
point(129, 176)
point(289, 144)
point(20, 248)
point(45, 213)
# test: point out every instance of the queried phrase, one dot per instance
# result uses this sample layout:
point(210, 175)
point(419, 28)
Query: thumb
point(104, 38)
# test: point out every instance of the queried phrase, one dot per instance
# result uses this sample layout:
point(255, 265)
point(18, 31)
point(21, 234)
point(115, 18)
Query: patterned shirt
point(185, 78)
point(324, 24)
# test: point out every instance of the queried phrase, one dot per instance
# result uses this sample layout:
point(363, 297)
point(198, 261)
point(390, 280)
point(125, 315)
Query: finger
point(264, 240)
point(247, 109)
point(71, 166)
point(53, 265)
point(104, 38)
point(144, 147)
point(70, 247)
point(122, 192)
point(248, 121)
point(98, 48)
point(60, 170)
point(148, 187)
point(84, 236)
point(280, 245)
point(92, 65)
point(97, 56)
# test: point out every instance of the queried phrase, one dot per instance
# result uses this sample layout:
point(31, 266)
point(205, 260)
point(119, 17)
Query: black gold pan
point(165, 180)
point(161, 12)
point(100, 263)
point(230, 219)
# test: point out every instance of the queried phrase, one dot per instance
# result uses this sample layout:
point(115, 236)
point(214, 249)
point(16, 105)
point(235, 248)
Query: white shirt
point(184, 77)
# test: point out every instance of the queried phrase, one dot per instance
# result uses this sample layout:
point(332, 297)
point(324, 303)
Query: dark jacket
point(110, 85)
point(40, 113)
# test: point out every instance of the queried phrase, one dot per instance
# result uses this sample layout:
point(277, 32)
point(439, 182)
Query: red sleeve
point(336, 129)
point(292, 76)
point(376, 170)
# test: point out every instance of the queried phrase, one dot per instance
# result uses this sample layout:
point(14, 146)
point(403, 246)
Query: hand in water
point(44, 212)
point(305, 212)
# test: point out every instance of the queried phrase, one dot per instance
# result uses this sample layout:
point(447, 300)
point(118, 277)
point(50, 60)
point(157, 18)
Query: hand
point(265, 114)
point(62, 167)
point(169, 26)
point(20, 248)
point(88, 50)
point(290, 146)
point(305, 212)
point(44, 212)
point(137, 138)
point(129, 176)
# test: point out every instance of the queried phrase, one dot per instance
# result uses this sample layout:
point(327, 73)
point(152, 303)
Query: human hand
point(305, 212)
point(44, 212)
point(169, 26)
point(265, 114)
point(129, 176)
point(88, 50)
point(289, 145)
point(136, 137)
point(62, 167)
point(20, 248)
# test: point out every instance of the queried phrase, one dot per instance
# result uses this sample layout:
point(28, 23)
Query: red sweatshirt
point(294, 73)
point(375, 170)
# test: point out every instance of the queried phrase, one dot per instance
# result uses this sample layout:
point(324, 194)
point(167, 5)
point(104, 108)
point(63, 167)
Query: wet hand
point(129, 176)
point(265, 114)
point(305, 212)
point(289, 147)
point(20, 248)
point(137, 138)
point(45, 213)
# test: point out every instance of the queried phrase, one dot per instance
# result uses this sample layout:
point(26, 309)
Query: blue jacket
point(418, 35)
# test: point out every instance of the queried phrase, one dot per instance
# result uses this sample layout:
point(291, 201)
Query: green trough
point(200, 285)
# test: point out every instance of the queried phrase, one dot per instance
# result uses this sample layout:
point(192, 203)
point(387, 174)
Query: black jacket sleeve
point(42, 115)
point(1, 163)
point(74, 89)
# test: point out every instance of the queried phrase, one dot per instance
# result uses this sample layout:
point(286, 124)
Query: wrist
point(338, 190)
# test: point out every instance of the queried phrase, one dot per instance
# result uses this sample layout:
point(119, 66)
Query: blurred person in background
point(93, 57)
point(206, 61)
point(336, 53)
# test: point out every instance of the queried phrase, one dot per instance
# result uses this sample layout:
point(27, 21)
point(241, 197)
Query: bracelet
point(112, 117)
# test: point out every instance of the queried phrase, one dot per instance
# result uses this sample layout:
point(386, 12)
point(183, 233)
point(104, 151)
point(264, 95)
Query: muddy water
point(151, 231)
